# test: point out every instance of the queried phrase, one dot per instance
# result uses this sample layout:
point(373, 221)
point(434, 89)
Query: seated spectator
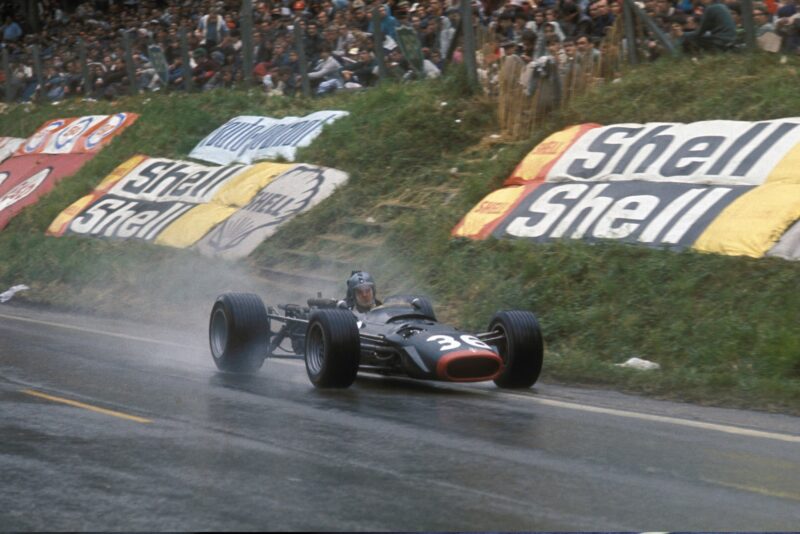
point(326, 75)
point(176, 73)
point(362, 70)
point(588, 55)
point(397, 66)
point(206, 68)
point(762, 20)
point(716, 30)
point(54, 84)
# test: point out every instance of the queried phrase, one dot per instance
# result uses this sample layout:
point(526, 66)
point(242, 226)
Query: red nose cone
point(469, 366)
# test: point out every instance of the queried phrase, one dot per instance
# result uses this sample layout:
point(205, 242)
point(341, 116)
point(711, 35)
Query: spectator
point(362, 72)
point(787, 25)
point(12, 31)
point(211, 28)
point(762, 20)
point(54, 84)
point(387, 21)
point(716, 30)
point(204, 70)
point(326, 75)
point(602, 19)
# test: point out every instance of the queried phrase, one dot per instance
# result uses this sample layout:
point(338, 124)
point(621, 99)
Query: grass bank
point(724, 329)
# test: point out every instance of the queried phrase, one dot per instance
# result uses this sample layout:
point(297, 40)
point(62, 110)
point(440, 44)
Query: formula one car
point(401, 337)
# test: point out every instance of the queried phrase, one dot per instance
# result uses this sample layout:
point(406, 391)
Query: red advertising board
point(24, 179)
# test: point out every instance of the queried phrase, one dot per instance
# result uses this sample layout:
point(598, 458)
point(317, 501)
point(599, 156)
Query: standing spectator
point(360, 19)
point(387, 21)
point(787, 25)
point(12, 31)
point(211, 28)
point(312, 42)
point(602, 19)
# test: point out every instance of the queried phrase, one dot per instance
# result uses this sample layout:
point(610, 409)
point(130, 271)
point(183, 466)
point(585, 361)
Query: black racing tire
point(333, 348)
point(522, 348)
point(238, 332)
point(424, 303)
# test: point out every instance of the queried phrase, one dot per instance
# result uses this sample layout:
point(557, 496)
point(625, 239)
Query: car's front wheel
point(332, 348)
point(239, 332)
point(520, 346)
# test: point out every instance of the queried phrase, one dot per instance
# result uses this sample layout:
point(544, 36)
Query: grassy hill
point(724, 329)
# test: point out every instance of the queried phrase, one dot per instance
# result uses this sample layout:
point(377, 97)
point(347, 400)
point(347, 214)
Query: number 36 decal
point(450, 343)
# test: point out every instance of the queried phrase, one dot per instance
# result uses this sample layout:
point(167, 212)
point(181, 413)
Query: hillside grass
point(724, 329)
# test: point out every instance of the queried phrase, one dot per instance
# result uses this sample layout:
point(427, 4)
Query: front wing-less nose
point(469, 366)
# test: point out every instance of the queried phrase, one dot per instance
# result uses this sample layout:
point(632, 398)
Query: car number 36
point(450, 343)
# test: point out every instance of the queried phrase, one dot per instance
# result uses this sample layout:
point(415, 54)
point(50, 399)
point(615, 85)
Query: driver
point(361, 292)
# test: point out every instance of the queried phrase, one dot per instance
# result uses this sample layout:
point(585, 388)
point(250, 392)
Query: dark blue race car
point(401, 337)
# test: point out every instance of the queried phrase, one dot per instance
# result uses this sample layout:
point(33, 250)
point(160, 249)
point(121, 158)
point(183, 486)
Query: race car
point(400, 337)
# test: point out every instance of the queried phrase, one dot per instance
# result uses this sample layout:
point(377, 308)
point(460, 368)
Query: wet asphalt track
point(111, 426)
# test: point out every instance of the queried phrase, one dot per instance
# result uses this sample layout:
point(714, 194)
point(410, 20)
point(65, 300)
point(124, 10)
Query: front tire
point(333, 348)
point(522, 348)
point(238, 332)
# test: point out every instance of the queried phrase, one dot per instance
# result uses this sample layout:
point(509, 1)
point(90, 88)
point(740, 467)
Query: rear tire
point(333, 348)
point(238, 332)
point(424, 303)
point(522, 348)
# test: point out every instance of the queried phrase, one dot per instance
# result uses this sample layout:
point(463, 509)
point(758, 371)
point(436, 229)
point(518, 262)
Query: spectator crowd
point(549, 37)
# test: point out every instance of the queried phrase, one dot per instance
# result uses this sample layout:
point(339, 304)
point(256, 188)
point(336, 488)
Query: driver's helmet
point(361, 291)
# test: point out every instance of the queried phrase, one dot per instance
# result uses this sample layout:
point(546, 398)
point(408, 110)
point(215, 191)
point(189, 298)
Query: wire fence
point(527, 82)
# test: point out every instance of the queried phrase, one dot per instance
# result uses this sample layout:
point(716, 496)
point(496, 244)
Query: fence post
point(129, 65)
point(37, 69)
point(186, 60)
point(8, 75)
point(247, 40)
point(630, 33)
point(87, 82)
point(469, 43)
point(653, 27)
point(749, 25)
point(377, 42)
point(448, 54)
point(300, 45)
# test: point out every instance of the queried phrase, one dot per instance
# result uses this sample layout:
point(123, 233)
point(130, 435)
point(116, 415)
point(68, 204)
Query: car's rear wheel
point(333, 348)
point(239, 332)
point(520, 346)
point(422, 304)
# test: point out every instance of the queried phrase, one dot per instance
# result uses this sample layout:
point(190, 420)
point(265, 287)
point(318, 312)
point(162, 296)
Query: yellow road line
point(86, 406)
